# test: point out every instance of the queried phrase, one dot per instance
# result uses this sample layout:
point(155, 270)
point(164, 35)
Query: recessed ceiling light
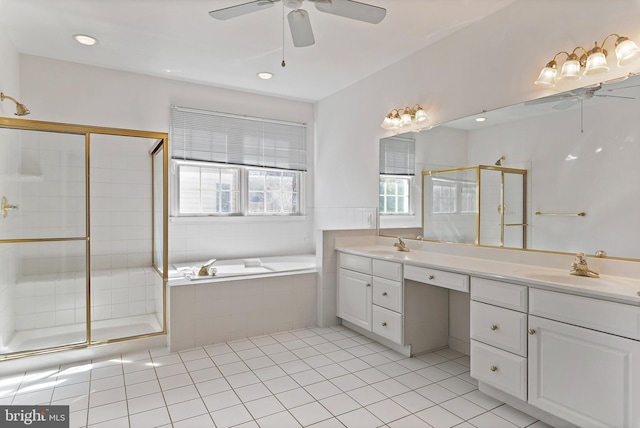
point(83, 39)
point(480, 119)
point(265, 75)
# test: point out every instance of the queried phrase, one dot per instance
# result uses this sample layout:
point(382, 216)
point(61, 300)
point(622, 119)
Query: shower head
point(499, 161)
point(21, 109)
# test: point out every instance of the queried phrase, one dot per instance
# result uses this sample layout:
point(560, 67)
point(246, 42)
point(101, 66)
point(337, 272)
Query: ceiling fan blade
point(545, 100)
point(614, 96)
point(300, 26)
point(565, 105)
point(241, 9)
point(354, 10)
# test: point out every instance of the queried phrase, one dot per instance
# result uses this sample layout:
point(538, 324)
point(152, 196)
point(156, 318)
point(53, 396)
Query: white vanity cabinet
point(370, 295)
point(584, 359)
point(499, 335)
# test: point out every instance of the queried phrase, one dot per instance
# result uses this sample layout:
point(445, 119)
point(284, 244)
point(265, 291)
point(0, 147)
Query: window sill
point(239, 219)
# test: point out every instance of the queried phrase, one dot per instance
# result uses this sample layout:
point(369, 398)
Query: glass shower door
point(43, 240)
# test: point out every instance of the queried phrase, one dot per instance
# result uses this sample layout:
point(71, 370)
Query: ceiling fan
point(299, 22)
point(569, 99)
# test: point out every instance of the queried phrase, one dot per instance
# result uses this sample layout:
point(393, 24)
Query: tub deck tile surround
point(316, 377)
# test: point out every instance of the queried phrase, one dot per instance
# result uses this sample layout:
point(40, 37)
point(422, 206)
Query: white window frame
point(410, 182)
point(243, 190)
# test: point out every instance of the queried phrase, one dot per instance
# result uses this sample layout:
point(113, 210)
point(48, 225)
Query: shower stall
point(481, 205)
point(83, 236)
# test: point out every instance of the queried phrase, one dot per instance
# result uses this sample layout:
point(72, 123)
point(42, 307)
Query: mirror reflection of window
point(397, 174)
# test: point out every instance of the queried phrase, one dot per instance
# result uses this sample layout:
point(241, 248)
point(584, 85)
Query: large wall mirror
point(581, 153)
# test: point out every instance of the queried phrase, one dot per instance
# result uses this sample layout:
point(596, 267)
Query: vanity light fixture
point(84, 39)
point(593, 61)
point(404, 117)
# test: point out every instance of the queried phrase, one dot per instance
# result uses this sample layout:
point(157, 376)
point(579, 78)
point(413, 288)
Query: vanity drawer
point(387, 293)
point(499, 327)
point(500, 369)
point(454, 281)
point(387, 324)
point(386, 269)
point(609, 317)
point(357, 263)
point(499, 293)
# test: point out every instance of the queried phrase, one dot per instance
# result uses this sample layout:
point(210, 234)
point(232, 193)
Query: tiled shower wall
point(50, 290)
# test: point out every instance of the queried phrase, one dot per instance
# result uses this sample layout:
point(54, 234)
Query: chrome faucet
point(401, 245)
point(579, 267)
point(207, 269)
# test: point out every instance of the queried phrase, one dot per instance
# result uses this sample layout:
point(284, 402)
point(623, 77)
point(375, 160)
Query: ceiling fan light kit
point(298, 18)
point(591, 62)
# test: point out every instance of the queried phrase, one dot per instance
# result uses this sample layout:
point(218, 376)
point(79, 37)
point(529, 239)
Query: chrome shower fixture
point(499, 161)
point(21, 109)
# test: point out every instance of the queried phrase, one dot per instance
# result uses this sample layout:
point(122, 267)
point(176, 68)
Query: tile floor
point(320, 377)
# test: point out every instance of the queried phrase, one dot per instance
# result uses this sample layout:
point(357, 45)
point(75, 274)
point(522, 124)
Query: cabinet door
point(589, 378)
point(354, 298)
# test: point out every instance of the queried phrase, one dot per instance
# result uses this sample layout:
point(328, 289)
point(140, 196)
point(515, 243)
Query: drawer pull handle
point(493, 327)
point(493, 368)
point(368, 285)
point(532, 331)
point(384, 293)
point(431, 277)
point(384, 324)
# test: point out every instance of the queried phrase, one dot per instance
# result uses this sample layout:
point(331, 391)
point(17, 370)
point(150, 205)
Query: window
point(453, 196)
point(235, 165)
point(273, 192)
point(395, 194)
point(397, 170)
point(206, 189)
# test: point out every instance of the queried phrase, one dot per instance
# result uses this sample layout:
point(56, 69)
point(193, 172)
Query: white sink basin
point(582, 281)
point(389, 253)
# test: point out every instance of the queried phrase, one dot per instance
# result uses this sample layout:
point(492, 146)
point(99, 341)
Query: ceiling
point(178, 39)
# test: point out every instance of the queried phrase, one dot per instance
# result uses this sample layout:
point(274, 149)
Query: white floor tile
point(340, 404)
point(146, 402)
point(323, 377)
point(187, 409)
point(514, 416)
point(311, 413)
point(387, 410)
point(490, 420)
point(413, 402)
point(264, 407)
point(438, 417)
point(202, 421)
point(462, 408)
point(150, 418)
point(221, 400)
point(360, 418)
point(231, 416)
point(278, 420)
point(294, 398)
point(178, 395)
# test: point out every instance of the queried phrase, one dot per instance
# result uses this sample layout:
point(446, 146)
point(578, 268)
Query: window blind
point(397, 156)
point(226, 138)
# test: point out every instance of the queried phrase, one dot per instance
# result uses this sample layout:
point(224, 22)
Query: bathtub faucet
point(207, 269)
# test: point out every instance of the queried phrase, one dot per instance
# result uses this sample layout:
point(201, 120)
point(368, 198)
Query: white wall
point(9, 83)
point(73, 93)
point(491, 63)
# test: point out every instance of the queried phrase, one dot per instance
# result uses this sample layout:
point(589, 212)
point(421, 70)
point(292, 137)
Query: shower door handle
point(6, 207)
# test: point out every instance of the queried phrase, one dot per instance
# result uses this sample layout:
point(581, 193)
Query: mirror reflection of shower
point(21, 109)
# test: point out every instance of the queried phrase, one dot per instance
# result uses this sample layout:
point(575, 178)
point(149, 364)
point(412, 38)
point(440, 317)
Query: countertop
point(607, 287)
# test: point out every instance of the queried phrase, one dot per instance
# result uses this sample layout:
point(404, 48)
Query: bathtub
point(246, 267)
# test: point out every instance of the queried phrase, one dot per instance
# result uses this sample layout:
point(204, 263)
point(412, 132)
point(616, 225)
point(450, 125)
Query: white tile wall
point(207, 313)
